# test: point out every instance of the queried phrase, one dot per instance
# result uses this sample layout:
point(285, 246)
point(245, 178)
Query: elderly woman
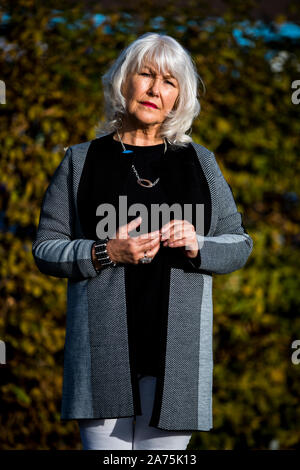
point(138, 356)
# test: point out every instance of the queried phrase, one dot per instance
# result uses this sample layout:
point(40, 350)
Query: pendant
point(147, 185)
point(127, 151)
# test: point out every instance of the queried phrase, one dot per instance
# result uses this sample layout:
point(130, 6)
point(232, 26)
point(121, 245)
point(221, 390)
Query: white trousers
point(123, 433)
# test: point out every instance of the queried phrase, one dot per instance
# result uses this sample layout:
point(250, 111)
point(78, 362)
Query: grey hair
point(169, 56)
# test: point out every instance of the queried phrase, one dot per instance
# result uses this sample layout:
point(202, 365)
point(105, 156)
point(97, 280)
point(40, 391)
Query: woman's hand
point(180, 233)
point(125, 249)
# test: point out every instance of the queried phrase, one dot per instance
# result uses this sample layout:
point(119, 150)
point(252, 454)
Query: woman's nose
point(154, 87)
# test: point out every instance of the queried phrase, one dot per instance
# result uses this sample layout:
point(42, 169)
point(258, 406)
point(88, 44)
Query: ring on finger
point(145, 259)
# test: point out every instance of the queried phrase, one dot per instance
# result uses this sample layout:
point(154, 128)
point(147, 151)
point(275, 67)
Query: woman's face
point(148, 85)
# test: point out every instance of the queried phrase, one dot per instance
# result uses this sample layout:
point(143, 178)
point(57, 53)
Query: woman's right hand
point(125, 249)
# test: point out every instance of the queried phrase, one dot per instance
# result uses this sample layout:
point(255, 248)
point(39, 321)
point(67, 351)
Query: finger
point(178, 231)
point(153, 251)
point(149, 235)
point(150, 247)
point(175, 243)
point(123, 231)
point(189, 243)
point(169, 225)
point(150, 251)
point(145, 240)
point(132, 225)
point(174, 223)
point(182, 232)
point(168, 229)
point(149, 244)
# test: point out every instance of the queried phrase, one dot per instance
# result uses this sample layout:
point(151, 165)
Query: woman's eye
point(148, 75)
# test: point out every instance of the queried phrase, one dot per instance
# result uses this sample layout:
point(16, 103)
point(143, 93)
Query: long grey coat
point(98, 381)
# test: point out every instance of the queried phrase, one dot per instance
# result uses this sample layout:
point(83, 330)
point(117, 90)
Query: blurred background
point(247, 54)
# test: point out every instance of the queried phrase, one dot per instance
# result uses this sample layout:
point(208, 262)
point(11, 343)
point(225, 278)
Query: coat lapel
point(184, 182)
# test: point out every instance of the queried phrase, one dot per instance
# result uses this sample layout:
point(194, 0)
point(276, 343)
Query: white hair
point(168, 56)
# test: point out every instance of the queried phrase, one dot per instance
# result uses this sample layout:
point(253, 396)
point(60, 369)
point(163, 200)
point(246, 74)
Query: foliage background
point(52, 60)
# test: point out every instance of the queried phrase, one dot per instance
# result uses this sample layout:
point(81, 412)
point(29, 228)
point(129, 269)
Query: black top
point(145, 281)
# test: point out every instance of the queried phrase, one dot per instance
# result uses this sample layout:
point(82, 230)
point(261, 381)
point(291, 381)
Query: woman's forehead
point(154, 68)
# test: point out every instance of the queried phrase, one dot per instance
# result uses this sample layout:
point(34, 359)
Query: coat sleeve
point(230, 246)
point(55, 251)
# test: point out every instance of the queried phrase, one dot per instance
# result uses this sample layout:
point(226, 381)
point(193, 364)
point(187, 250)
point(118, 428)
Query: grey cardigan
point(97, 378)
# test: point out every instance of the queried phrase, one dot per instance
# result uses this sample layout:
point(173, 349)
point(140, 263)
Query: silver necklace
point(141, 181)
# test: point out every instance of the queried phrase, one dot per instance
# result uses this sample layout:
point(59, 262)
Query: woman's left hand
point(180, 233)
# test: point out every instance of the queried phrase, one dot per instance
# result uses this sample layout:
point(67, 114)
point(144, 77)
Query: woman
point(138, 357)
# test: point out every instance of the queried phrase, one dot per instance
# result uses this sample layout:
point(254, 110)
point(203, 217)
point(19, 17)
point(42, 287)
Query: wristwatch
point(101, 253)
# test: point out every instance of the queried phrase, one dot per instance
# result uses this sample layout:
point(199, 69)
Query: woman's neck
point(131, 138)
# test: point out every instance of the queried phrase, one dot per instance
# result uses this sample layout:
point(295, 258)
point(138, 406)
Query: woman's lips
point(149, 105)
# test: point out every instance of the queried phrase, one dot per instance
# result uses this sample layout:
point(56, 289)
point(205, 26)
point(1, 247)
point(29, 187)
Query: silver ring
point(146, 259)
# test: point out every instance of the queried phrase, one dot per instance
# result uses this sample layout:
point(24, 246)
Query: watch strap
point(101, 253)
